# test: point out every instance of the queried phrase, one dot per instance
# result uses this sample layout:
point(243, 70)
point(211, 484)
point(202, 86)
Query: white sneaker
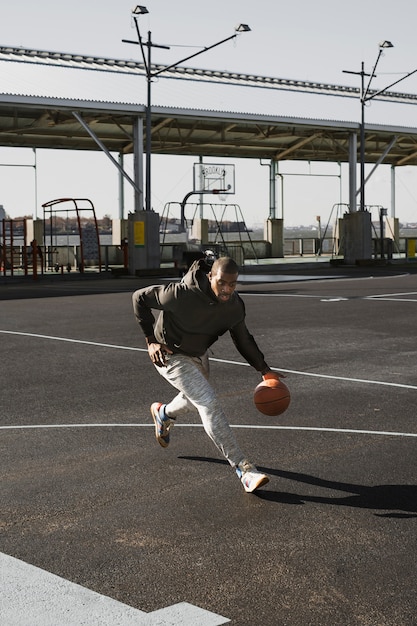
point(249, 476)
point(163, 423)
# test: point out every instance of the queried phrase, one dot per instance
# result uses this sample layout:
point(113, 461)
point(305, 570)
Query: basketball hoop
point(214, 178)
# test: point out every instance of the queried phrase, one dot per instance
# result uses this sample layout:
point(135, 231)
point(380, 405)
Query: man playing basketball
point(194, 313)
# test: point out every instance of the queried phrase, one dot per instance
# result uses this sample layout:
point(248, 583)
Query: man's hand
point(157, 352)
point(272, 375)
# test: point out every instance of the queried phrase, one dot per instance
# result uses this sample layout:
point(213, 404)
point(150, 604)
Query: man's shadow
point(400, 500)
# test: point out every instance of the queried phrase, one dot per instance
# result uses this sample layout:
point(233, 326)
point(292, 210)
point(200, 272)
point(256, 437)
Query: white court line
point(31, 595)
point(280, 369)
point(386, 433)
point(353, 380)
point(393, 297)
point(385, 297)
point(279, 295)
point(88, 343)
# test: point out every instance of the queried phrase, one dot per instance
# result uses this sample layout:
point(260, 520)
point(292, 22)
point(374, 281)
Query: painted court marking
point(231, 362)
point(50, 600)
point(117, 347)
point(386, 433)
point(389, 297)
point(393, 297)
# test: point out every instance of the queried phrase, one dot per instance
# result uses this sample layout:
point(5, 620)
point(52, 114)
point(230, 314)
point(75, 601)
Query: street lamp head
point(242, 28)
point(385, 44)
point(139, 10)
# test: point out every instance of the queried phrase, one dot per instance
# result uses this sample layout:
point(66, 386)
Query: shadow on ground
point(399, 500)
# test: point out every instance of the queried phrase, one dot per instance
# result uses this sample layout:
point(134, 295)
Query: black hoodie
point(192, 318)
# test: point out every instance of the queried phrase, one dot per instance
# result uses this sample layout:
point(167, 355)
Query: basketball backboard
point(214, 178)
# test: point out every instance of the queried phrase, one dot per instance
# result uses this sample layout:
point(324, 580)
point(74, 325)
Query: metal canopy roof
point(51, 124)
point(48, 122)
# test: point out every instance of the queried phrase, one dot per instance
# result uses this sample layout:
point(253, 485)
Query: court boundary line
point(386, 433)
point(382, 297)
point(226, 361)
point(387, 299)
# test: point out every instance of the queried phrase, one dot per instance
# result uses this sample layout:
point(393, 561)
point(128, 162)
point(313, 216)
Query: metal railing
point(19, 260)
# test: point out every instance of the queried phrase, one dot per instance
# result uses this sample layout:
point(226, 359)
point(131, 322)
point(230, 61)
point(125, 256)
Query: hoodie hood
point(196, 279)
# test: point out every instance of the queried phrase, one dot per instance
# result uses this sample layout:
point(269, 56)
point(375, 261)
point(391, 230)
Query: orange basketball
point(272, 397)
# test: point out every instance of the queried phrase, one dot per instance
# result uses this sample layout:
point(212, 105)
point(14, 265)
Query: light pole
point(142, 10)
point(366, 96)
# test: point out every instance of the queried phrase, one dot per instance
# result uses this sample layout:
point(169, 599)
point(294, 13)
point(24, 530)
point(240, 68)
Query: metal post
point(272, 189)
point(201, 200)
point(148, 147)
point(121, 188)
point(104, 149)
point(138, 162)
point(393, 210)
point(362, 139)
point(36, 184)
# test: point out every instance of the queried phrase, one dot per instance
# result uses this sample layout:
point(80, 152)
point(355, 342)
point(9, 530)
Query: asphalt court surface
point(89, 495)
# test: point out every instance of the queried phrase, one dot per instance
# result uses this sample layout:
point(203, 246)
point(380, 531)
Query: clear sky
point(301, 39)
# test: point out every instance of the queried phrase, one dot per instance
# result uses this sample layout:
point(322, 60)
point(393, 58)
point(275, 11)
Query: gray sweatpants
point(190, 376)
